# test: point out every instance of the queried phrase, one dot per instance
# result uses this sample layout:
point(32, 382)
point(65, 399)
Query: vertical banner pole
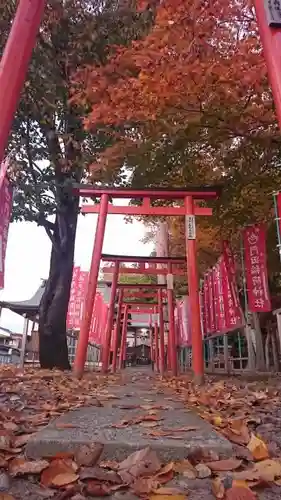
point(117, 331)
point(83, 339)
point(110, 320)
point(161, 333)
point(172, 328)
point(277, 219)
point(193, 288)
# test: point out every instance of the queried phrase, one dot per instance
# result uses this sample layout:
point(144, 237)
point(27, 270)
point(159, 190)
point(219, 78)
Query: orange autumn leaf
point(258, 448)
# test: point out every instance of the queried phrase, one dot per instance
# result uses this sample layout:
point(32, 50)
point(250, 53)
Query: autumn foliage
point(198, 57)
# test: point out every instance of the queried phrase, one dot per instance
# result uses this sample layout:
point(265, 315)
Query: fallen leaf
point(19, 441)
point(268, 469)
point(20, 466)
point(100, 474)
point(88, 455)
point(141, 463)
point(66, 425)
point(96, 489)
point(144, 485)
point(6, 496)
point(64, 479)
point(186, 469)
point(168, 491)
point(57, 467)
point(109, 464)
point(218, 488)
point(258, 448)
point(239, 493)
point(167, 497)
point(224, 465)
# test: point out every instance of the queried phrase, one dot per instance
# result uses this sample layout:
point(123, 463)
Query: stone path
point(133, 414)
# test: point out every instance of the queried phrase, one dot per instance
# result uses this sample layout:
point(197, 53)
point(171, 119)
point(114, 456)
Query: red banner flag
point(77, 297)
point(254, 238)
point(207, 320)
point(210, 282)
point(229, 261)
point(6, 204)
point(221, 323)
point(278, 201)
point(71, 318)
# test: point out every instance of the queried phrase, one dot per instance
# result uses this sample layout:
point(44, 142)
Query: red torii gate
point(189, 199)
point(115, 270)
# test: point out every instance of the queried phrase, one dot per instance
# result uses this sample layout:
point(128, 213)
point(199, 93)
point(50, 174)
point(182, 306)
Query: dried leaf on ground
point(100, 474)
point(19, 441)
point(168, 491)
point(141, 463)
point(6, 496)
point(167, 497)
point(224, 465)
point(21, 466)
point(186, 469)
point(144, 485)
point(97, 489)
point(258, 448)
point(57, 467)
point(239, 493)
point(64, 479)
point(88, 455)
point(218, 488)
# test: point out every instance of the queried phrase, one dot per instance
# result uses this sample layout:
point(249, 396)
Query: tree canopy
point(192, 105)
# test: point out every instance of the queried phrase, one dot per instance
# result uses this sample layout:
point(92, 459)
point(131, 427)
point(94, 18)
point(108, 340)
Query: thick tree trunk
point(53, 352)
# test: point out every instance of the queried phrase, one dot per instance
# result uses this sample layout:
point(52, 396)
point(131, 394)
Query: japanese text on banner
point(254, 238)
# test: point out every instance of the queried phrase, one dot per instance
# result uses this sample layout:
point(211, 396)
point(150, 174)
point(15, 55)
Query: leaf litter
point(234, 410)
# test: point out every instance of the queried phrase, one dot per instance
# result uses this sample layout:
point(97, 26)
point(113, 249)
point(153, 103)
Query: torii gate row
point(156, 328)
point(22, 39)
point(115, 270)
point(187, 197)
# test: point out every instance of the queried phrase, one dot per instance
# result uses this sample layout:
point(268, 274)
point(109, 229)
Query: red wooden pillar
point(193, 290)
point(156, 354)
point(15, 60)
point(110, 320)
point(161, 334)
point(172, 330)
point(82, 345)
point(122, 356)
point(151, 338)
point(271, 41)
point(117, 330)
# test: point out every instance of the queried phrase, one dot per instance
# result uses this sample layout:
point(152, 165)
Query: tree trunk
point(53, 351)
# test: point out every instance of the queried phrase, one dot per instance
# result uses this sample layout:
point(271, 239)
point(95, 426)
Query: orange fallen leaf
point(167, 497)
point(20, 466)
point(218, 488)
point(64, 479)
point(258, 448)
point(224, 465)
point(6, 496)
point(168, 491)
point(57, 467)
point(61, 425)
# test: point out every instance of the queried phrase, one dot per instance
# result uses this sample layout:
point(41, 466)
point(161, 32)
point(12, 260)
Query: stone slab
point(94, 424)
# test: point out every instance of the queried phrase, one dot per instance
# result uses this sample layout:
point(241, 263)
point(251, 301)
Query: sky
point(28, 255)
